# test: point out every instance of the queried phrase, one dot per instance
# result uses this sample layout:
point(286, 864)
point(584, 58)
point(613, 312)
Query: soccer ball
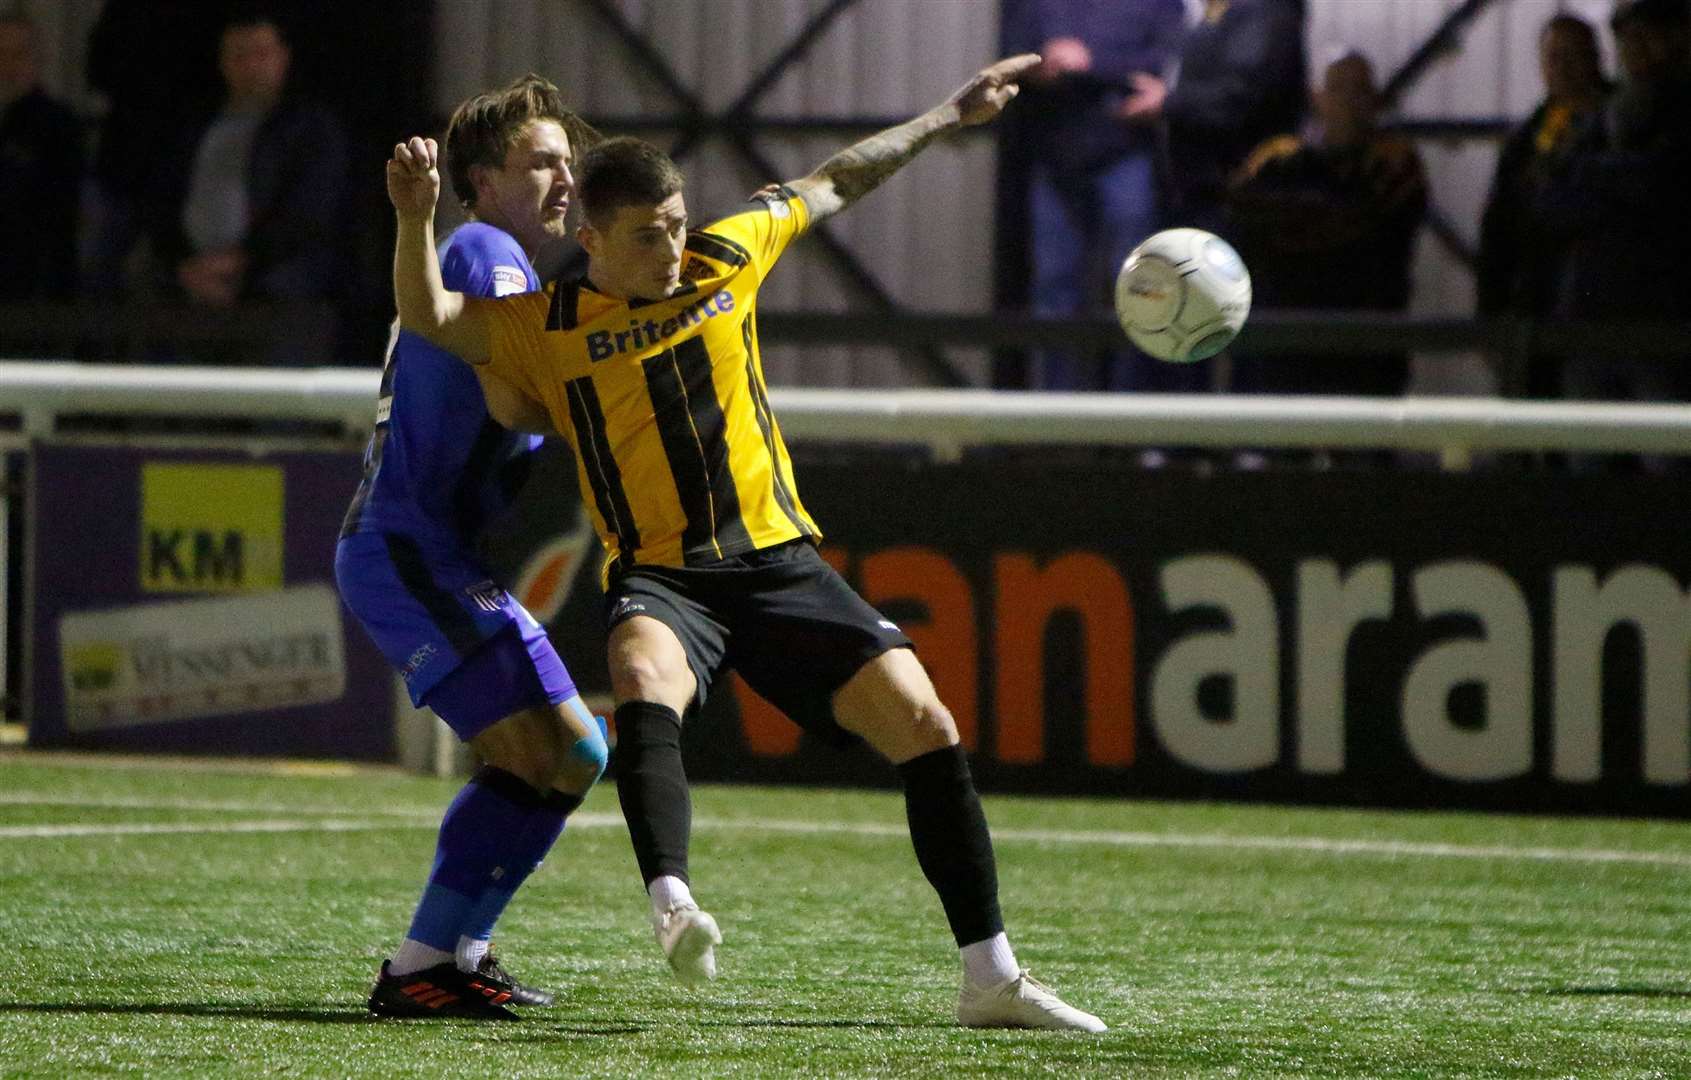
point(1182, 295)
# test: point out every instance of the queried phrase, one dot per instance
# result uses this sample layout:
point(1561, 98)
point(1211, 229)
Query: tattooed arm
point(859, 169)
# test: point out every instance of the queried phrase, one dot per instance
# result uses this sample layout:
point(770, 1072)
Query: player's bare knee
point(642, 672)
point(576, 777)
point(529, 745)
point(901, 728)
point(934, 727)
point(918, 727)
point(532, 765)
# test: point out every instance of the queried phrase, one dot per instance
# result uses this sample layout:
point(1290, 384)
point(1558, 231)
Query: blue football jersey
point(438, 466)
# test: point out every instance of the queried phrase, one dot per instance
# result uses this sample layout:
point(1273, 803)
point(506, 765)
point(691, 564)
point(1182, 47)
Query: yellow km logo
point(211, 528)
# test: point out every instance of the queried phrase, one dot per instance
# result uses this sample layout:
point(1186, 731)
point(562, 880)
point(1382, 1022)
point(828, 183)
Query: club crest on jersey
point(486, 595)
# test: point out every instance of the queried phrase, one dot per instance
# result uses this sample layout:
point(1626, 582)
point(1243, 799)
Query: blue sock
point(485, 846)
point(524, 854)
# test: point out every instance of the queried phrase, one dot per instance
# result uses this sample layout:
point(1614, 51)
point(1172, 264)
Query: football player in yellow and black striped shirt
point(648, 364)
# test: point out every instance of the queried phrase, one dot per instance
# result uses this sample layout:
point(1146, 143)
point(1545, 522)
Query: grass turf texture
point(240, 938)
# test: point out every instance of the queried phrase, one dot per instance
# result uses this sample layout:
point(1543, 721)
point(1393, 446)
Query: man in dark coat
point(254, 208)
point(1620, 205)
point(1523, 264)
point(40, 175)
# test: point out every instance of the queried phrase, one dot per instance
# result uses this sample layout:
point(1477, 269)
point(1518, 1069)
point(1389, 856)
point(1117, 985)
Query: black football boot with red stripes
point(520, 994)
point(440, 991)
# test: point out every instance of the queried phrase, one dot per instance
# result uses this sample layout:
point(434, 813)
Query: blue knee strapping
point(594, 750)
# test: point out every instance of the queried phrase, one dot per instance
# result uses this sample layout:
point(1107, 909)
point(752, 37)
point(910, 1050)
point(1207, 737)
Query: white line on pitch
point(118, 802)
point(1313, 844)
point(400, 819)
point(179, 827)
point(274, 825)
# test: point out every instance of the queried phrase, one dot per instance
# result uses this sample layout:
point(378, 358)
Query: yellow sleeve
point(516, 329)
point(764, 229)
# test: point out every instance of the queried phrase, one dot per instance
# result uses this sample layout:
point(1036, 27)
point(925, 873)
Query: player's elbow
point(431, 317)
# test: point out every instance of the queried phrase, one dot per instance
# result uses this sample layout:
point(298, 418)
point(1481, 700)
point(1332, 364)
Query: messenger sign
point(183, 600)
point(176, 660)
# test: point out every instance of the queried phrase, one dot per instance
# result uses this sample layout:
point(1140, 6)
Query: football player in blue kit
point(446, 454)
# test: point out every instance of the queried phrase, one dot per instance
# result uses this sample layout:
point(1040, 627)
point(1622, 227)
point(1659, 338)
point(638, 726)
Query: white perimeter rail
point(946, 421)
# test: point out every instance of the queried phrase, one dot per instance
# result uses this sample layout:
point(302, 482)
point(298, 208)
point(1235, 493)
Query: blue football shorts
point(463, 645)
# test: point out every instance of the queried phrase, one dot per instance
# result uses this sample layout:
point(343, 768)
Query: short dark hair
point(483, 128)
point(1572, 24)
point(625, 171)
point(244, 16)
point(1662, 13)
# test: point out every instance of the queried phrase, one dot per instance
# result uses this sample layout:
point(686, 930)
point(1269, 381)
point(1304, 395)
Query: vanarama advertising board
point(1394, 637)
point(1391, 637)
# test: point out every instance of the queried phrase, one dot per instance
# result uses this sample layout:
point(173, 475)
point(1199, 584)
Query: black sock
point(952, 844)
point(652, 787)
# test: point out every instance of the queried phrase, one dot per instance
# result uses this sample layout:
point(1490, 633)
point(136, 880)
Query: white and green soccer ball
point(1183, 295)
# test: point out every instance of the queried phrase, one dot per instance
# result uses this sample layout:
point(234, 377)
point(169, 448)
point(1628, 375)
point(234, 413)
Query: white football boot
point(689, 938)
point(1023, 1002)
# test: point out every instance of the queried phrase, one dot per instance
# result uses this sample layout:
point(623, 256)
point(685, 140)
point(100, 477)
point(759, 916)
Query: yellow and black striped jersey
point(679, 458)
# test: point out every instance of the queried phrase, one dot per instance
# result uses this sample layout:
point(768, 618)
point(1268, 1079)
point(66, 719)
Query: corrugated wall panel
point(926, 235)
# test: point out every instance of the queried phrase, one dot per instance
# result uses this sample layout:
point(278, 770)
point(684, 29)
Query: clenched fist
point(414, 178)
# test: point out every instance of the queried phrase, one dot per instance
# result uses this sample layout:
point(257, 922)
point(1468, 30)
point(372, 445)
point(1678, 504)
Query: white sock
point(989, 962)
point(415, 956)
point(470, 952)
point(666, 892)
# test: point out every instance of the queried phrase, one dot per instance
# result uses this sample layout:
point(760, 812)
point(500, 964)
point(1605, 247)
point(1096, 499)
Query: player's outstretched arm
point(859, 169)
point(425, 305)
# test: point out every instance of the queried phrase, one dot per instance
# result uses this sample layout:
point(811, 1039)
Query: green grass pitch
point(177, 919)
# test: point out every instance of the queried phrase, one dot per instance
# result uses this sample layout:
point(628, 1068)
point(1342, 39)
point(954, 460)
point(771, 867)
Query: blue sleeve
point(481, 260)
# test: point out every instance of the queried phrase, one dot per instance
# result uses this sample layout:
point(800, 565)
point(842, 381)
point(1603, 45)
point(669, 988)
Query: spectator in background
point(1619, 202)
point(1088, 128)
point(250, 212)
point(1243, 78)
point(154, 63)
point(1328, 220)
point(41, 165)
point(1522, 264)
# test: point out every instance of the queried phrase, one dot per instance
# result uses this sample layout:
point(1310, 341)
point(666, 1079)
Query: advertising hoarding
point(182, 600)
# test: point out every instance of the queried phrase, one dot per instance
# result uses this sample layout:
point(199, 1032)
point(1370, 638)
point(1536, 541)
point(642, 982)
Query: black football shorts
point(781, 617)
